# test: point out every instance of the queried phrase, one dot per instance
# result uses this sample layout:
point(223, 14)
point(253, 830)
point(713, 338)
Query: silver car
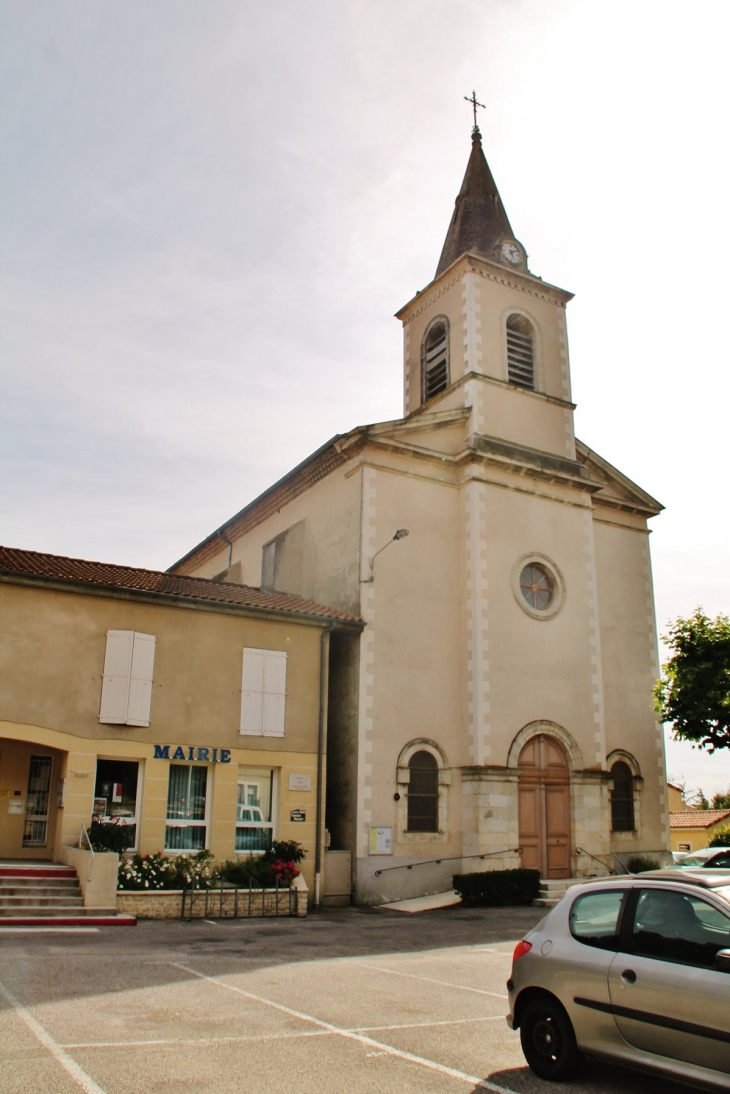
point(634, 969)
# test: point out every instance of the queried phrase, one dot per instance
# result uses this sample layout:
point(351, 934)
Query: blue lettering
point(203, 754)
point(162, 752)
point(191, 752)
point(225, 755)
point(215, 755)
point(178, 754)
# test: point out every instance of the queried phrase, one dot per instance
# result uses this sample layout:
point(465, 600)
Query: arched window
point(622, 798)
point(435, 362)
point(520, 351)
point(423, 793)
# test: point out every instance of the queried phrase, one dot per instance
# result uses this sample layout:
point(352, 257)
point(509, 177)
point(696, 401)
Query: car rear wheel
point(548, 1040)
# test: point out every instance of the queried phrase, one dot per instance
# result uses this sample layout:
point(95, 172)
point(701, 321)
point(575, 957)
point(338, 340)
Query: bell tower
point(486, 333)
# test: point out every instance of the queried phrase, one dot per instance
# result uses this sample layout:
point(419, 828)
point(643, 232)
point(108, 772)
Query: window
point(254, 827)
point(622, 798)
point(115, 794)
point(681, 927)
point(520, 351)
point(537, 586)
point(263, 693)
point(684, 847)
point(423, 793)
point(35, 829)
point(126, 692)
point(435, 359)
point(595, 919)
point(186, 812)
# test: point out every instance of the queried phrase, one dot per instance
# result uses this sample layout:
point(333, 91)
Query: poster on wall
point(381, 841)
point(116, 792)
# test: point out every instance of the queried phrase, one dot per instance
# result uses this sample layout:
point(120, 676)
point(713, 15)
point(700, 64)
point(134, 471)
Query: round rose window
point(537, 586)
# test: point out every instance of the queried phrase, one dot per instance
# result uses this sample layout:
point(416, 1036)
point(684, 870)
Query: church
point(496, 710)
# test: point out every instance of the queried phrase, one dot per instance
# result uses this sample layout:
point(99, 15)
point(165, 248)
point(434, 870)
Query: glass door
point(35, 831)
point(116, 793)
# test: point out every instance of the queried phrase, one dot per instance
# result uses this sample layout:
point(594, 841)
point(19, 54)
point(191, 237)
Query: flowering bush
point(284, 872)
point(275, 866)
point(157, 871)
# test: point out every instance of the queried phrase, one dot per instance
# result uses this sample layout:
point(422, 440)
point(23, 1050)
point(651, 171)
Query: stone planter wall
point(167, 904)
point(163, 904)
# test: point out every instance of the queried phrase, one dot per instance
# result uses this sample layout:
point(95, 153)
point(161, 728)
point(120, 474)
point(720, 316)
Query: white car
point(634, 969)
point(712, 858)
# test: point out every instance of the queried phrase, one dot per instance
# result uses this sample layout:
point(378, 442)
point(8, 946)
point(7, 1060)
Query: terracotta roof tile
point(108, 575)
point(697, 818)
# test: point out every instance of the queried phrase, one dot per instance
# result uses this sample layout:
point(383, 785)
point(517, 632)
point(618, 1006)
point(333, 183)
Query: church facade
point(499, 700)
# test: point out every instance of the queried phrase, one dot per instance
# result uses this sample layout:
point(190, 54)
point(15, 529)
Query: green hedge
point(497, 888)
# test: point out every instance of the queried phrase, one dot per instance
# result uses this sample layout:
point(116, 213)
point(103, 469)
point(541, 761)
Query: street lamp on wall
point(401, 533)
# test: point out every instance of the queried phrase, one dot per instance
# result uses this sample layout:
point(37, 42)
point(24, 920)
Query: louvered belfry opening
point(520, 351)
point(423, 793)
point(435, 361)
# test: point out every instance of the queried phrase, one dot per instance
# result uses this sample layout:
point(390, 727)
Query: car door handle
point(628, 976)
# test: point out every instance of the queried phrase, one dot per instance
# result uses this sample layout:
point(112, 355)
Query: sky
point(210, 212)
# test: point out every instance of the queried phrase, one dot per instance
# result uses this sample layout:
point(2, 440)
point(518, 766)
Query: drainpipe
point(323, 682)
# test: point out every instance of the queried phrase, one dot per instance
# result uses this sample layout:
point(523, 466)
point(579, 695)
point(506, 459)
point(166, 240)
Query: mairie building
point(192, 712)
point(499, 700)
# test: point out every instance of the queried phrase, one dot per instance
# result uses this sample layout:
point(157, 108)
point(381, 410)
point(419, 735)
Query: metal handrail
point(450, 858)
point(582, 851)
point(83, 833)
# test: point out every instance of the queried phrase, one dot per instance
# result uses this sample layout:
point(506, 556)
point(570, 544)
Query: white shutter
point(140, 686)
point(252, 692)
point(115, 685)
point(274, 693)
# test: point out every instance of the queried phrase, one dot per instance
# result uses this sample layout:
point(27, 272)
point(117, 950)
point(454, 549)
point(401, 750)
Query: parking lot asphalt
point(354, 1000)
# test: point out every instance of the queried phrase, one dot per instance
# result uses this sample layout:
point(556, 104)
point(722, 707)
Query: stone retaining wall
point(163, 904)
point(167, 904)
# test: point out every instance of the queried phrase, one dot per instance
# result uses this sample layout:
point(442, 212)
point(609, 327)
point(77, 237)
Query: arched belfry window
point(622, 798)
point(435, 359)
point(520, 351)
point(423, 793)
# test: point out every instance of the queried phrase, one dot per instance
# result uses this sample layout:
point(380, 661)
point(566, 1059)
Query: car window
point(693, 860)
point(720, 860)
point(595, 917)
point(674, 926)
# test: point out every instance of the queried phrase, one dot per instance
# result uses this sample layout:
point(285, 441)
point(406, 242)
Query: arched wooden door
point(544, 807)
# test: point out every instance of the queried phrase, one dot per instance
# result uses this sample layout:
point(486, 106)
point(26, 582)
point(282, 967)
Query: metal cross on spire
point(475, 104)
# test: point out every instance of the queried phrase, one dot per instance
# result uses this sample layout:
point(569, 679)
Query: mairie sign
point(196, 755)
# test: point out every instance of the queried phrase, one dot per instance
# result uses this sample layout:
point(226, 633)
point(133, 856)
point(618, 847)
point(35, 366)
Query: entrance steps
point(45, 894)
point(552, 890)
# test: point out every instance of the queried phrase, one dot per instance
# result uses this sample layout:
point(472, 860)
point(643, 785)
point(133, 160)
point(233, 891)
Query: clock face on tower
point(511, 252)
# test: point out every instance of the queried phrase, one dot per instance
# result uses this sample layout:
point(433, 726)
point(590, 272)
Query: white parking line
point(70, 1066)
point(200, 1040)
point(426, 1025)
point(432, 1065)
point(430, 980)
point(273, 1036)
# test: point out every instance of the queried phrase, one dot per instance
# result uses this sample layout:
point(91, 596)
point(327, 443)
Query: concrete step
point(52, 911)
point(8, 887)
point(552, 890)
point(47, 870)
point(68, 900)
point(91, 920)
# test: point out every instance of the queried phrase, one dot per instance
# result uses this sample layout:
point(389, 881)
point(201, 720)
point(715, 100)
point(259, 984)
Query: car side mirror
point(722, 960)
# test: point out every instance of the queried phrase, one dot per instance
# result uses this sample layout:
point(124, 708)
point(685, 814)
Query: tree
point(721, 801)
point(693, 694)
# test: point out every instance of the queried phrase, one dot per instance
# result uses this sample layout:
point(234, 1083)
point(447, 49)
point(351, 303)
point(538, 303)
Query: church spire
point(479, 222)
